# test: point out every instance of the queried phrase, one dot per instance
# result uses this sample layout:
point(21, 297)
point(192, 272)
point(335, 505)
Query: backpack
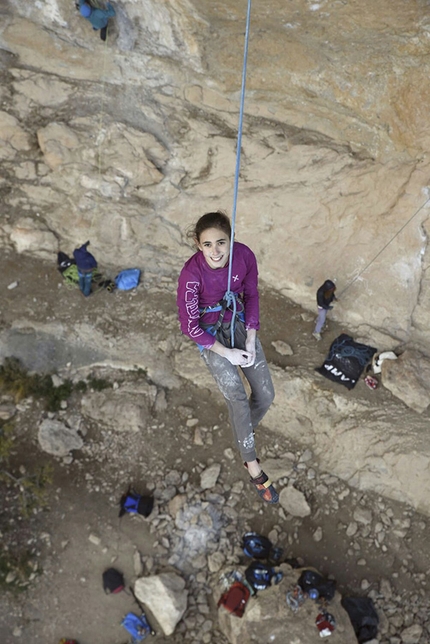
point(70, 275)
point(234, 600)
point(127, 279)
point(260, 576)
point(63, 262)
point(135, 503)
point(138, 627)
point(113, 581)
point(310, 580)
point(363, 616)
point(258, 547)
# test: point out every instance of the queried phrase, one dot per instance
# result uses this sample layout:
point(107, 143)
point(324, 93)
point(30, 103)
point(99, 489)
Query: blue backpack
point(138, 627)
point(127, 279)
point(135, 503)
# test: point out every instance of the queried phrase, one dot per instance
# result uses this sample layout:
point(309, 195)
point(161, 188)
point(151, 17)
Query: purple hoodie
point(200, 286)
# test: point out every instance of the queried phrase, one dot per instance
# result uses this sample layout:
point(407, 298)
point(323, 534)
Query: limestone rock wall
point(127, 143)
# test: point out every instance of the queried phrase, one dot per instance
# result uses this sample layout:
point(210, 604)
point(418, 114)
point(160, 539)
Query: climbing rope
point(229, 296)
point(386, 246)
point(100, 136)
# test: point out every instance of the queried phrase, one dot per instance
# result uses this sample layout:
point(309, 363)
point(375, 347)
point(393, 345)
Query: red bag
point(235, 599)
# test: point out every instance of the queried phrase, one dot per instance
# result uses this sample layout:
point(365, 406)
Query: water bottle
point(313, 593)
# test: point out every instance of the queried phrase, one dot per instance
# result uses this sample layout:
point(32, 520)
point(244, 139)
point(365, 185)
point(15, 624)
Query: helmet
point(85, 10)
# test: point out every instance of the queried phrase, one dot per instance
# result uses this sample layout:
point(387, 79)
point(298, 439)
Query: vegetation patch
point(16, 570)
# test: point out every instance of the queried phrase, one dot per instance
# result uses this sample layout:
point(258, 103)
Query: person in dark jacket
point(99, 18)
point(325, 296)
point(85, 263)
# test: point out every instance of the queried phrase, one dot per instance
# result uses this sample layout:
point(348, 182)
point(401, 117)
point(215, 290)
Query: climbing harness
point(386, 246)
point(222, 308)
point(229, 296)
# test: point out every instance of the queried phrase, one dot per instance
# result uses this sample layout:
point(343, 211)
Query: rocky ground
point(53, 557)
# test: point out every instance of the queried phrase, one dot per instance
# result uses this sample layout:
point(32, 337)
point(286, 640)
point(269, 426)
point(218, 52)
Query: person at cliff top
point(99, 18)
point(325, 296)
point(86, 263)
point(203, 318)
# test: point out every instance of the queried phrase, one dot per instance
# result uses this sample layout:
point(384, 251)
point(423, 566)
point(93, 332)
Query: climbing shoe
point(265, 488)
point(317, 336)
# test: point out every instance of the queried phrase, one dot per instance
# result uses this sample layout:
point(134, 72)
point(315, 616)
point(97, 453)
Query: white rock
point(57, 439)
point(209, 476)
point(412, 634)
point(94, 539)
point(282, 348)
point(351, 529)
point(165, 596)
point(215, 561)
point(362, 515)
point(294, 502)
point(318, 534)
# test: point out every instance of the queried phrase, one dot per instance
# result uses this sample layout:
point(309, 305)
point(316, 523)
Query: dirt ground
point(64, 596)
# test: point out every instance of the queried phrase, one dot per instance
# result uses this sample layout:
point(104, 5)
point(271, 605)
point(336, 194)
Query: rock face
point(165, 596)
point(129, 143)
point(408, 378)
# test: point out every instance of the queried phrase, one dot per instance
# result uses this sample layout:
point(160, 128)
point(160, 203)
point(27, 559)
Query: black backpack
point(260, 576)
point(310, 580)
point(64, 261)
point(258, 547)
point(135, 503)
point(113, 581)
point(363, 616)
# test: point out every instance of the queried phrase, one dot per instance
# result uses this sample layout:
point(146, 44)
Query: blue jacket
point(99, 17)
point(84, 260)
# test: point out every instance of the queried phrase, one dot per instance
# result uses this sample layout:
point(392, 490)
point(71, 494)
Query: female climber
point(205, 319)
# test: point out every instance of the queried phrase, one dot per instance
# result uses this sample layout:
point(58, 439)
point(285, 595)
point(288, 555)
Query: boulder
point(119, 410)
point(268, 618)
point(408, 378)
point(57, 439)
point(165, 596)
point(294, 502)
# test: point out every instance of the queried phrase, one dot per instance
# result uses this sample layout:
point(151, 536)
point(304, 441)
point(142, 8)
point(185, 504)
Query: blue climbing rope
point(229, 296)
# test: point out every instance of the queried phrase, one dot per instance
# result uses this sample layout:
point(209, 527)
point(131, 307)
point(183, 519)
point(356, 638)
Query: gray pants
point(322, 314)
point(245, 414)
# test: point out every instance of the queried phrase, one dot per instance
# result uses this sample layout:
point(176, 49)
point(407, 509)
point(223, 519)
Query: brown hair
point(216, 219)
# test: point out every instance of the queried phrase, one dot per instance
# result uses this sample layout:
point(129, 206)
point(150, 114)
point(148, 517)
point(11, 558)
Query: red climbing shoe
point(265, 488)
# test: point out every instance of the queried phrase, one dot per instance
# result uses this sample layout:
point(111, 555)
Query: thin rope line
point(229, 296)
point(100, 126)
point(386, 246)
